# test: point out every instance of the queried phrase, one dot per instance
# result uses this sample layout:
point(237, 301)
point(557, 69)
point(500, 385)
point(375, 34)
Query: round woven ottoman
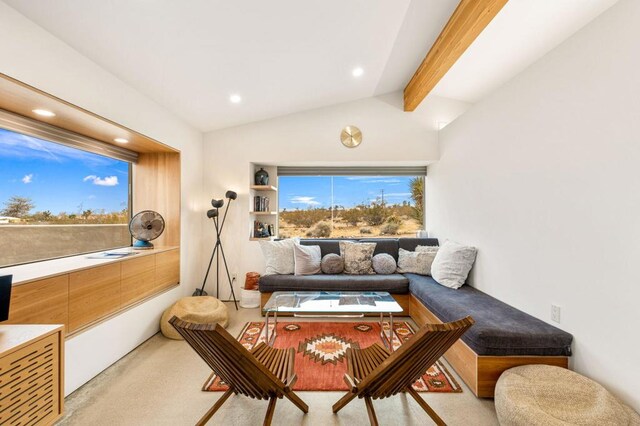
point(198, 309)
point(544, 395)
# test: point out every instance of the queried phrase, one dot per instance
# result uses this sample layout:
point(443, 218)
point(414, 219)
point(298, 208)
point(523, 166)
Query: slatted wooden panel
point(40, 302)
point(138, 279)
point(30, 384)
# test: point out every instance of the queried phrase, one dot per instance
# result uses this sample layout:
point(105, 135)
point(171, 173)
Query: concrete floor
point(159, 383)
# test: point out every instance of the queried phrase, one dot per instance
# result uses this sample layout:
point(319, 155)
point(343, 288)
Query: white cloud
point(309, 201)
point(27, 178)
point(107, 181)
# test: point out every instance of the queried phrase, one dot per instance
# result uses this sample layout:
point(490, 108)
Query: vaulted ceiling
point(284, 56)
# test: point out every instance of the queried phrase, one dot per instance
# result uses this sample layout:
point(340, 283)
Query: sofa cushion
point(332, 264)
point(452, 264)
point(411, 243)
point(278, 256)
point(500, 329)
point(394, 283)
point(306, 260)
point(357, 257)
point(384, 264)
point(415, 262)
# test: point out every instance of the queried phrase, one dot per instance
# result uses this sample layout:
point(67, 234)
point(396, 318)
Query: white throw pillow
point(416, 262)
point(278, 256)
point(306, 259)
point(452, 264)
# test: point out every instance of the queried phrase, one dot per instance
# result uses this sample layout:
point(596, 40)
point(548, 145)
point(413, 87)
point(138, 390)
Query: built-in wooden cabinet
point(41, 302)
point(84, 297)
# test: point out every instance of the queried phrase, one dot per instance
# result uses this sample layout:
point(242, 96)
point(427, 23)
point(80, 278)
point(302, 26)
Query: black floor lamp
point(214, 214)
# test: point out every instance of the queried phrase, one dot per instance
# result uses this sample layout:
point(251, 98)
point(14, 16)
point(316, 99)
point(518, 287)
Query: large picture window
point(350, 206)
point(56, 200)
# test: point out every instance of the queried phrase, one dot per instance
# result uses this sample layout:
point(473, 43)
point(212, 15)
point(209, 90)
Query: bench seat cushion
point(500, 329)
point(394, 284)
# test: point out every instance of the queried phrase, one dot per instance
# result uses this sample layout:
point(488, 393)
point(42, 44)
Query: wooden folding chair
point(264, 373)
point(374, 372)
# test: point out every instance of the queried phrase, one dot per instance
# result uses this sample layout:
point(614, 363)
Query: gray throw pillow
point(415, 262)
point(306, 259)
point(384, 264)
point(357, 257)
point(278, 256)
point(452, 264)
point(332, 264)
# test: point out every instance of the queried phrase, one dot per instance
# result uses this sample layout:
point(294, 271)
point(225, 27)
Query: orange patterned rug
point(320, 353)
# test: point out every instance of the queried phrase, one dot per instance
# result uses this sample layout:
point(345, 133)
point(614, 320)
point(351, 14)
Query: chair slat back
point(228, 359)
point(409, 362)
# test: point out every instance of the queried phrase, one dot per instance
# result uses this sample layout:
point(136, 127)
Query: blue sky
point(303, 192)
point(58, 178)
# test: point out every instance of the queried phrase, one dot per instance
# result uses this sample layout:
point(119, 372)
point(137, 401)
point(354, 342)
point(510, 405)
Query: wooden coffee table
point(331, 304)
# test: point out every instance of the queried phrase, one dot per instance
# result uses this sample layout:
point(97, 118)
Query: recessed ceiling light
point(357, 72)
point(44, 113)
point(121, 140)
point(235, 99)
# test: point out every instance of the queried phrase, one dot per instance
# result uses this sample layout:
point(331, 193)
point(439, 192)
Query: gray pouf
point(384, 264)
point(332, 264)
point(537, 395)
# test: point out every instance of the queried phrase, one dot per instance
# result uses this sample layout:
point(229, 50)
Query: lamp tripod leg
point(224, 259)
point(204, 282)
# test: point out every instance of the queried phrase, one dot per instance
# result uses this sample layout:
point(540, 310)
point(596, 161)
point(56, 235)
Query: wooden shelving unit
point(269, 217)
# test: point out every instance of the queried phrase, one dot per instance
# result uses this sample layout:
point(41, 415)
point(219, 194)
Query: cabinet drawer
point(93, 294)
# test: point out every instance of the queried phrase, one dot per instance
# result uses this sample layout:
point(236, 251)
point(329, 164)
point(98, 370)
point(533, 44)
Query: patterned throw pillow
point(357, 257)
point(278, 256)
point(332, 264)
point(416, 262)
point(452, 264)
point(384, 264)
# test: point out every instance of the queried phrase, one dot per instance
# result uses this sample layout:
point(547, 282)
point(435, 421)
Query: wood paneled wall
point(156, 186)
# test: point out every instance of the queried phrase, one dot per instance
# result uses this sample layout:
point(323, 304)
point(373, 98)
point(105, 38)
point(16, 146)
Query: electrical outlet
point(234, 276)
point(555, 313)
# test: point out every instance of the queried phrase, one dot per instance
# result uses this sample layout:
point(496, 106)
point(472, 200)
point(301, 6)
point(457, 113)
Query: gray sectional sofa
point(502, 337)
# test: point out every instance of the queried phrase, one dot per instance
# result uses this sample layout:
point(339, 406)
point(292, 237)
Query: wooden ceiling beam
point(464, 26)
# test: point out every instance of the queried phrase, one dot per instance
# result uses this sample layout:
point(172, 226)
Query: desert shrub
point(394, 219)
point(320, 230)
point(352, 216)
point(374, 214)
point(366, 230)
point(305, 218)
point(389, 228)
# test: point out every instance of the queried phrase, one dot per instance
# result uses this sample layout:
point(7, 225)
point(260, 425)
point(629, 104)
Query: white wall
point(543, 177)
point(390, 136)
point(34, 56)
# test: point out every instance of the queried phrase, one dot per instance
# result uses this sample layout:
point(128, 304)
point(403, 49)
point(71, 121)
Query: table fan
point(145, 227)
